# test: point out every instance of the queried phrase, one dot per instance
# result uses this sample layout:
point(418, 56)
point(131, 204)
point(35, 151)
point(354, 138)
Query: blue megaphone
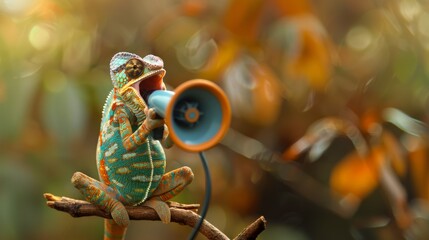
point(197, 114)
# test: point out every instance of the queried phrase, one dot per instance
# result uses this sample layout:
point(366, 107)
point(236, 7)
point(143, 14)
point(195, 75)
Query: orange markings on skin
point(103, 173)
point(100, 139)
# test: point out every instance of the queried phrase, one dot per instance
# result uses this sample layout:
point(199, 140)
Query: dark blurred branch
point(397, 197)
point(289, 174)
point(309, 188)
point(184, 214)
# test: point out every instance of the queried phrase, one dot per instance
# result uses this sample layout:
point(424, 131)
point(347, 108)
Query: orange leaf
point(355, 176)
point(325, 130)
point(267, 95)
point(226, 54)
point(254, 91)
point(194, 7)
point(290, 8)
point(370, 120)
point(377, 157)
point(312, 61)
point(242, 19)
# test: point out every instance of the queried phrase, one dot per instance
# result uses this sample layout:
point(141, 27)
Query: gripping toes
point(119, 213)
point(172, 183)
point(160, 207)
point(101, 196)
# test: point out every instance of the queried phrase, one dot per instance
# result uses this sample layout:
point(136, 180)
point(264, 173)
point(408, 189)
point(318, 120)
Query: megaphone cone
point(197, 114)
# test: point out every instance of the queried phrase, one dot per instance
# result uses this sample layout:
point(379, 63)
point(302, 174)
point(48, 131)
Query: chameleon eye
point(134, 68)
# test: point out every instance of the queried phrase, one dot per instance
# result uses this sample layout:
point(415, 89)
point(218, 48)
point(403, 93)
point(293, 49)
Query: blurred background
point(329, 138)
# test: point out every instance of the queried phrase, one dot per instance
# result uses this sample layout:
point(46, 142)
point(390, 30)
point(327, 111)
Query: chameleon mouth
point(148, 85)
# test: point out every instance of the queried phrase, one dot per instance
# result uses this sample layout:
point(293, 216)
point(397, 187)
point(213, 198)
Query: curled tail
point(113, 231)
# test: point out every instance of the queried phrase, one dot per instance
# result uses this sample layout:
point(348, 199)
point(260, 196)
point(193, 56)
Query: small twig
point(397, 197)
point(184, 214)
point(253, 230)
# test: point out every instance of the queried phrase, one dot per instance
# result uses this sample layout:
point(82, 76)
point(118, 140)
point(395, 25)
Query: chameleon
point(130, 161)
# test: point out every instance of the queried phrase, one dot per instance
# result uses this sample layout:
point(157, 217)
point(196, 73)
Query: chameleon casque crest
point(130, 161)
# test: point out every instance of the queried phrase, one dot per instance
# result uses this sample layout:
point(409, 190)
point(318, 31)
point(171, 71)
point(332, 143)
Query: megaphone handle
point(158, 133)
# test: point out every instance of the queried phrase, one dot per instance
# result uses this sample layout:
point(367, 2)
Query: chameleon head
point(135, 76)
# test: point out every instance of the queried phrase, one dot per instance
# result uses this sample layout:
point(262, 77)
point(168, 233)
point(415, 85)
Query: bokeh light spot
point(359, 38)
point(409, 9)
point(40, 36)
point(16, 6)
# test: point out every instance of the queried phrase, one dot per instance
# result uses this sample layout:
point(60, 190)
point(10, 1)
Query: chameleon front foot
point(161, 208)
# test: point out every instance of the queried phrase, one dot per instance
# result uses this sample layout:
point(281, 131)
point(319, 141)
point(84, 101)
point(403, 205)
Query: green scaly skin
point(131, 164)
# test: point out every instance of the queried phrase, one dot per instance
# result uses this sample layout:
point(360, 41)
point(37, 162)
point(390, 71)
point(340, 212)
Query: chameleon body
point(130, 162)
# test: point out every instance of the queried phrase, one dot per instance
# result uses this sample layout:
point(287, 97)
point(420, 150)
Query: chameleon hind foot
point(101, 196)
point(171, 184)
point(119, 213)
point(161, 208)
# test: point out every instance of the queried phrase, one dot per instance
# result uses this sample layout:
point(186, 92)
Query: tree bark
point(184, 214)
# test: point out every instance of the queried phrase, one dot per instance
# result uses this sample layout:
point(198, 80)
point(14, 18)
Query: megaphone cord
point(206, 196)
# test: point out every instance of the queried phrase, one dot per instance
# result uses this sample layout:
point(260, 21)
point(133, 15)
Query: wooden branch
point(184, 214)
point(253, 230)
